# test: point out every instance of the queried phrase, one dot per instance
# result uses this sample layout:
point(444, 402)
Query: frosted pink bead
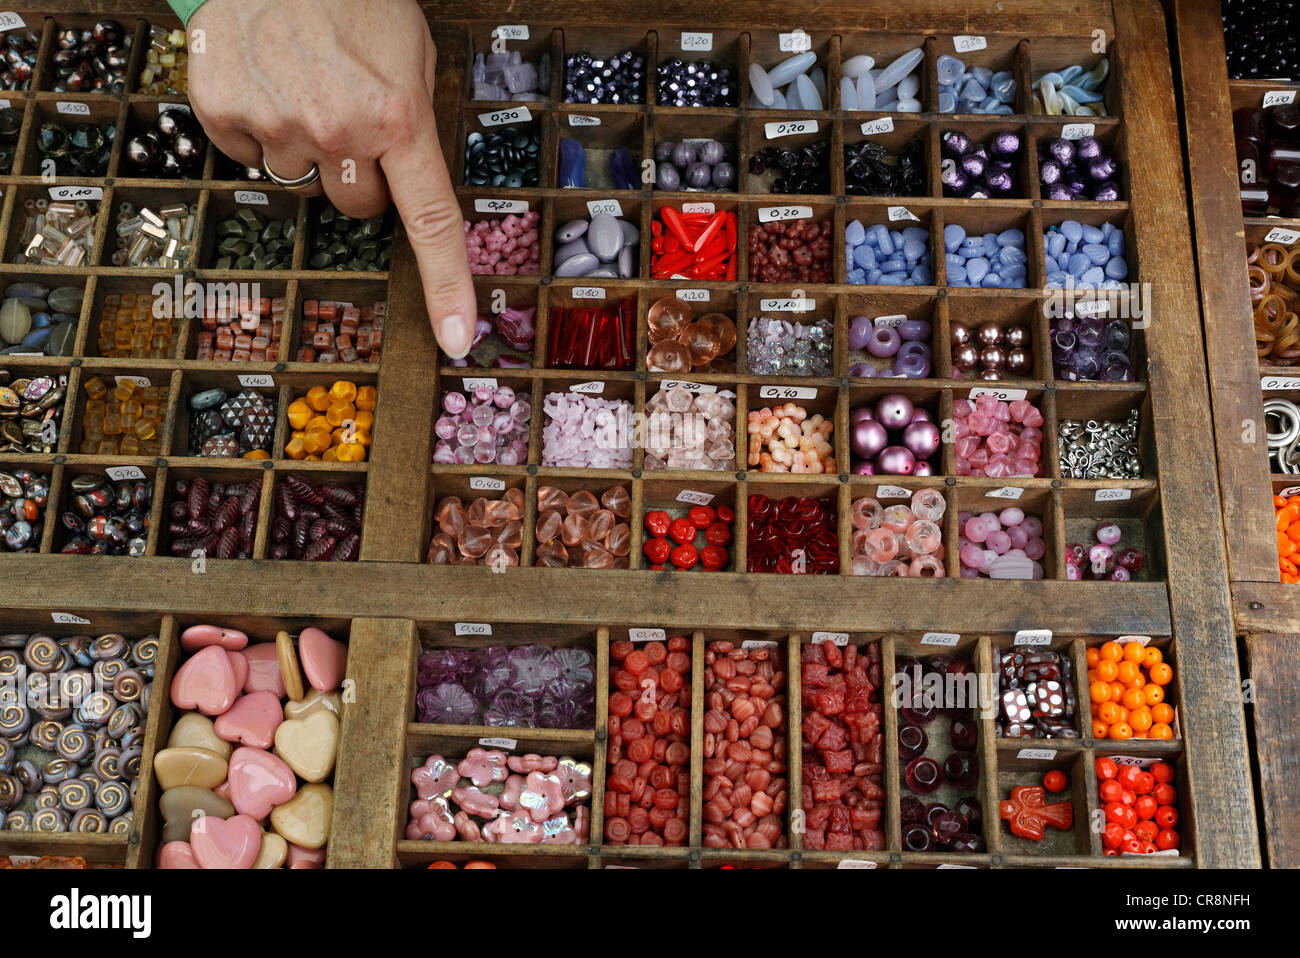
point(1011, 516)
point(928, 504)
point(866, 513)
point(1033, 526)
point(923, 536)
point(999, 541)
point(896, 518)
point(962, 408)
point(972, 557)
point(975, 531)
point(1035, 548)
point(926, 567)
point(882, 545)
point(892, 568)
point(1018, 536)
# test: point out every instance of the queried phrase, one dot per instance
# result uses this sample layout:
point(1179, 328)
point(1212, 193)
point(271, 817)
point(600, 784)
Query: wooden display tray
point(1266, 611)
point(1186, 601)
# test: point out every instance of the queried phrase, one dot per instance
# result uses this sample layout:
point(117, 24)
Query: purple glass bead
point(1091, 332)
point(862, 370)
point(1106, 193)
point(961, 770)
point(1088, 148)
point(883, 341)
point(510, 708)
point(955, 143)
point(531, 668)
point(912, 741)
point(917, 838)
point(923, 775)
point(914, 330)
point(954, 180)
point(860, 329)
point(911, 810)
point(1062, 151)
point(1005, 143)
point(447, 704)
point(1049, 172)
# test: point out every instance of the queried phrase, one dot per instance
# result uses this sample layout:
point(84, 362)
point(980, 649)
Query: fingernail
point(456, 337)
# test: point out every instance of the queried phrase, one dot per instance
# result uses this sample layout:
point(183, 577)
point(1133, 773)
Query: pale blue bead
point(1078, 263)
point(1003, 86)
point(864, 256)
point(1112, 284)
point(1054, 79)
point(977, 268)
point(887, 106)
point(957, 275)
point(857, 276)
point(1091, 234)
point(787, 70)
point(992, 281)
point(854, 67)
point(878, 236)
point(761, 84)
point(1011, 237)
point(989, 105)
point(855, 233)
point(953, 235)
point(1116, 267)
point(973, 246)
point(900, 68)
point(921, 275)
point(792, 98)
point(818, 77)
point(1049, 263)
point(965, 105)
point(1010, 273)
point(1069, 73)
point(1107, 229)
point(972, 89)
point(990, 241)
point(1011, 256)
point(809, 98)
point(983, 74)
point(778, 100)
point(1053, 284)
point(848, 95)
point(1094, 275)
point(953, 260)
point(894, 264)
point(1003, 110)
point(949, 69)
point(896, 236)
point(916, 233)
point(1097, 253)
point(947, 102)
point(913, 250)
point(1072, 230)
point(1055, 243)
point(1115, 243)
point(892, 279)
point(873, 277)
point(1080, 95)
point(866, 91)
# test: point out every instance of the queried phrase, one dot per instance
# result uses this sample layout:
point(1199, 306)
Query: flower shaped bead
point(482, 767)
point(475, 802)
point(532, 762)
point(558, 831)
point(516, 828)
point(434, 777)
point(543, 796)
point(575, 779)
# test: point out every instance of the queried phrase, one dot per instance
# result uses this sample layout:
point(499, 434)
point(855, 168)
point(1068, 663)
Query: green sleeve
point(185, 8)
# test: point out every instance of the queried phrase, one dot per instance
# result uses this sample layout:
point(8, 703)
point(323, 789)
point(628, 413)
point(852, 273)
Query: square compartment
point(178, 536)
point(677, 497)
point(890, 309)
point(233, 228)
point(469, 489)
point(552, 552)
point(151, 389)
point(366, 340)
point(695, 127)
point(896, 136)
point(897, 220)
point(143, 519)
point(765, 52)
point(771, 136)
point(722, 50)
point(134, 330)
point(129, 206)
point(195, 383)
point(1001, 54)
point(536, 49)
point(599, 142)
point(32, 201)
point(699, 301)
point(884, 49)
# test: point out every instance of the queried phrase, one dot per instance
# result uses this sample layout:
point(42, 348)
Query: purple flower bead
point(447, 704)
point(510, 708)
point(531, 667)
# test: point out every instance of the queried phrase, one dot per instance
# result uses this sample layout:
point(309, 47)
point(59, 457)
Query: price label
point(694, 498)
point(1005, 492)
point(689, 387)
point(855, 863)
point(256, 379)
point(940, 638)
point(891, 321)
point(758, 644)
point(588, 292)
point(138, 380)
point(1077, 131)
point(698, 208)
point(771, 214)
point(506, 743)
point(693, 295)
point(511, 31)
point(119, 473)
point(67, 618)
point(4, 105)
point(646, 635)
point(787, 305)
point(1162, 852)
point(950, 865)
point(1037, 754)
point(608, 207)
point(897, 213)
point(789, 128)
point(10, 21)
point(500, 206)
point(181, 107)
point(593, 388)
point(73, 109)
point(697, 42)
point(893, 492)
point(473, 628)
point(787, 392)
point(1134, 760)
point(873, 127)
point(1094, 307)
point(795, 41)
point(251, 198)
point(1278, 235)
point(74, 193)
point(1279, 382)
point(1290, 491)
point(486, 484)
point(1112, 495)
point(472, 384)
point(581, 119)
point(1033, 637)
point(516, 114)
point(837, 638)
point(1279, 97)
point(1006, 395)
point(969, 44)
point(1139, 639)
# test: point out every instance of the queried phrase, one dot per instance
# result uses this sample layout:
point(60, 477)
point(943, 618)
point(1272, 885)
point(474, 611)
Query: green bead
point(230, 228)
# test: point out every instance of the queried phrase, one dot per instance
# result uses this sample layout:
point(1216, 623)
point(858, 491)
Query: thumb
point(422, 191)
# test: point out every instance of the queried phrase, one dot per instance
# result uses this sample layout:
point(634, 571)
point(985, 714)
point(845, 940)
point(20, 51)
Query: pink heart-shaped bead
point(259, 781)
point(252, 720)
point(205, 681)
point(263, 670)
point(232, 843)
point(300, 857)
point(201, 636)
point(177, 855)
point(238, 665)
point(325, 660)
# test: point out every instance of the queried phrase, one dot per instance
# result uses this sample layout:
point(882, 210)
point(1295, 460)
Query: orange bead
point(1092, 657)
point(338, 412)
point(1099, 729)
point(1133, 651)
point(1099, 692)
point(1152, 656)
point(366, 397)
point(330, 455)
point(1112, 651)
point(1161, 674)
point(257, 454)
point(1154, 694)
point(299, 414)
point(344, 391)
point(1133, 699)
point(1162, 772)
point(1123, 712)
point(295, 448)
point(1162, 712)
point(364, 419)
point(318, 398)
point(1130, 673)
point(1109, 713)
point(478, 864)
point(1107, 670)
point(1285, 546)
point(1161, 730)
point(1117, 690)
point(1140, 718)
point(351, 452)
point(441, 865)
point(1121, 730)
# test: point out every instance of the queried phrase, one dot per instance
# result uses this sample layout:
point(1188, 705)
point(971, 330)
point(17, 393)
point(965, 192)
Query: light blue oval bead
point(792, 99)
point(913, 249)
point(1050, 264)
point(1077, 264)
point(1053, 78)
point(990, 241)
point(1094, 275)
point(1091, 234)
point(894, 264)
point(977, 268)
point(855, 233)
point(1056, 278)
point(809, 98)
point(1117, 267)
point(992, 281)
point(1055, 243)
point(787, 70)
point(949, 69)
point(892, 279)
point(1013, 272)
point(921, 275)
point(947, 102)
point(41, 320)
point(1097, 253)
point(818, 78)
point(604, 237)
point(953, 235)
point(896, 237)
point(1011, 237)
point(857, 276)
point(1004, 110)
point(1069, 73)
point(1080, 95)
point(1072, 230)
point(864, 256)
point(915, 233)
point(983, 74)
point(848, 94)
point(761, 85)
point(873, 276)
point(1108, 228)
point(1115, 243)
point(957, 275)
point(1011, 256)
point(879, 237)
point(580, 265)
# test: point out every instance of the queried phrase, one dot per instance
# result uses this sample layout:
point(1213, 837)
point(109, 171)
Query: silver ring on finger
point(297, 182)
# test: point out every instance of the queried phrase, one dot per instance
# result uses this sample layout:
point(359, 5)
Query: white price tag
point(1290, 491)
point(511, 31)
point(688, 208)
point(789, 128)
point(256, 379)
point(893, 492)
point(593, 388)
point(10, 21)
point(119, 473)
point(608, 207)
point(588, 292)
point(855, 863)
point(1006, 395)
point(1033, 637)
point(506, 743)
point(697, 42)
point(1112, 495)
point(758, 644)
point(181, 107)
point(771, 214)
point(796, 41)
point(689, 387)
point(695, 498)
point(138, 380)
point(67, 618)
point(1077, 131)
point(1133, 760)
point(1278, 235)
point(74, 193)
point(516, 114)
point(897, 213)
point(969, 44)
point(252, 198)
point(1037, 754)
point(73, 109)
point(1139, 639)
point(837, 638)
point(1093, 307)
point(1162, 852)
point(1268, 383)
point(473, 628)
point(940, 638)
point(500, 206)
point(486, 484)
point(950, 865)
point(874, 127)
point(1279, 97)
point(892, 322)
point(471, 384)
point(693, 295)
point(1005, 492)
point(787, 305)
point(646, 635)
point(787, 392)
point(582, 119)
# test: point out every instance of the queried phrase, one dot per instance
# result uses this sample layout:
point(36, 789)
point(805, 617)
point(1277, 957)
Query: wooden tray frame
point(1190, 605)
